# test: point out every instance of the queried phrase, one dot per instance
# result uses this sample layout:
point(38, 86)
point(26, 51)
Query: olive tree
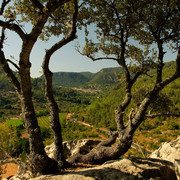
point(134, 34)
point(48, 18)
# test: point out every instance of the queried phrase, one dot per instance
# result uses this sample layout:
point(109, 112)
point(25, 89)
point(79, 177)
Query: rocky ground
point(163, 164)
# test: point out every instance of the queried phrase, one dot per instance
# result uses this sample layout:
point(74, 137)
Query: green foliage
point(42, 113)
point(4, 102)
point(99, 80)
point(101, 111)
point(145, 125)
point(14, 122)
point(21, 148)
point(173, 125)
point(70, 95)
point(69, 79)
point(4, 82)
point(8, 139)
point(45, 132)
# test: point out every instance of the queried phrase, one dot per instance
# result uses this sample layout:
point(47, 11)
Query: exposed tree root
point(103, 151)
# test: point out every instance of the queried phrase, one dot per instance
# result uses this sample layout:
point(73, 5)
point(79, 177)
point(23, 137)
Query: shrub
point(145, 126)
point(42, 113)
point(162, 139)
point(157, 131)
point(22, 145)
point(153, 146)
point(173, 126)
point(45, 132)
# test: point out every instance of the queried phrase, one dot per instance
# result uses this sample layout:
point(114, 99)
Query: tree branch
point(37, 4)
point(15, 161)
point(64, 41)
point(3, 5)
point(140, 114)
point(15, 28)
point(5, 65)
point(162, 114)
point(100, 58)
point(112, 35)
point(93, 58)
point(15, 65)
point(135, 77)
point(111, 140)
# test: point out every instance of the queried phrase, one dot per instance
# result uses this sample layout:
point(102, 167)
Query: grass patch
point(14, 122)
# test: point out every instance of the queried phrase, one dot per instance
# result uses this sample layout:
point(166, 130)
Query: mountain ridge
point(101, 79)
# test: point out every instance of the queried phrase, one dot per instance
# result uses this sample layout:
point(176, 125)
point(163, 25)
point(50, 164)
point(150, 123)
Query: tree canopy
point(135, 34)
point(44, 19)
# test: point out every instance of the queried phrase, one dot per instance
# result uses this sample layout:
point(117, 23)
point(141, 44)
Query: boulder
point(164, 164)
point(168, 151)
point(177, 168)
point(124, 169)
point(82, 146)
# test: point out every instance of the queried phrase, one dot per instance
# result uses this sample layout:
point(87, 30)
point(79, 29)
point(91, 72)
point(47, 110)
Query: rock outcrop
point(168, 151)
point(124, 169)
point(73, 147)
point(164, 164)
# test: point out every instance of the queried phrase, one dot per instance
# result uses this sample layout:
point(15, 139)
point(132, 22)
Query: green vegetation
point(14, 122)
point(98, 110)
point(4, 83)
point(69, 79)
point(8, 139)
point(102, 79)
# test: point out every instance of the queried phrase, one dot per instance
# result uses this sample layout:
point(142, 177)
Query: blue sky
point(66, 59)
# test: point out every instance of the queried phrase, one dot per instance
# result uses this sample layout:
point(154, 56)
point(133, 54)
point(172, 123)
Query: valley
point(87, 111)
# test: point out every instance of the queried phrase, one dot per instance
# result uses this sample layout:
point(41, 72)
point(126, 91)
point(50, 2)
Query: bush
point(145, 126)
point(153, 146)
point(22, 145)
point(157, 131)
point(42, 113)
point(45, 132)
point(162, 139)
point(174, 126)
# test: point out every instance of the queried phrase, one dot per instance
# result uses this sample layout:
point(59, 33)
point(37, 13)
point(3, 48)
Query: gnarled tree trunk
point(105, 151)
point(54, 118)
point(54, 109)
point(38, 158)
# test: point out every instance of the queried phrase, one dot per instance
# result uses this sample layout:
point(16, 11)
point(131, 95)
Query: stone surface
point(177, 168)
point(154, 168)
point(125, 169)
point(73, 147)
point(168, 151)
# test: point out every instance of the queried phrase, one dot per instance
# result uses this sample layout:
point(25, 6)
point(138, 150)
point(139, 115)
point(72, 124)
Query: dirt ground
point(10, 169)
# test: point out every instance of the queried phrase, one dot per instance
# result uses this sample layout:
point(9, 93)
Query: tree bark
point(54, 118)
point(38, 157)
point(160, 62)
point(104, 151)
point(54, 109)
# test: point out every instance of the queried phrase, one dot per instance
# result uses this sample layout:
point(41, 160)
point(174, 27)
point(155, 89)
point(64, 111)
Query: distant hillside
point(107, 76)
point(69, 79)
point(103, 78)
point(4, 82)
point(101, 111)
point(151, 133)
